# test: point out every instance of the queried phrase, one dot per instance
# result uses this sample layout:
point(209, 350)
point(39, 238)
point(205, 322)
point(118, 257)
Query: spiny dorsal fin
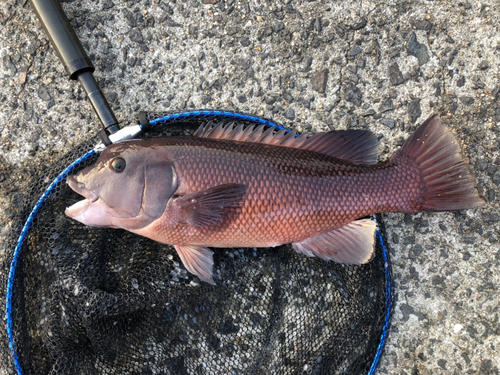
point(355, 146)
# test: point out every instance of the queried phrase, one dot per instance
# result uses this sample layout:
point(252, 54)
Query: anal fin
point(198, 260)
point(352, 243)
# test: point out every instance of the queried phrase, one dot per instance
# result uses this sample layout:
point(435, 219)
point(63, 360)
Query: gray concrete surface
point(312, 65)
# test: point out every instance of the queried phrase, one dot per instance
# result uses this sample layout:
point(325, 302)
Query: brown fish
point(247, 187)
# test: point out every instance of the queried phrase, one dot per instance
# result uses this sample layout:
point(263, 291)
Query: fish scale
point(329, 191)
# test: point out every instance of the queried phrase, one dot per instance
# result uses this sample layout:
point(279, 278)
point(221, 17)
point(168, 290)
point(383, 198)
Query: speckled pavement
point(312, 65)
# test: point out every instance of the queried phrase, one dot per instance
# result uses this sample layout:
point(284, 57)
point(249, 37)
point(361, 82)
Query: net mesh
point(104, 301)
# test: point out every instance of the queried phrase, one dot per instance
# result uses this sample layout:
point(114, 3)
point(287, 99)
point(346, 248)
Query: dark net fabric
point(105, 301)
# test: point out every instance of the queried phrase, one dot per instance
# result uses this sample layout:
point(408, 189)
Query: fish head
point(128, 187)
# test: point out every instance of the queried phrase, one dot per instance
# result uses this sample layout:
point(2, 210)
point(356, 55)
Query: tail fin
point(448, 182)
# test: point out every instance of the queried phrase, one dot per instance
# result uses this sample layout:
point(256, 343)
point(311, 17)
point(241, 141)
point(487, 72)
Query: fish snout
point(90, 211)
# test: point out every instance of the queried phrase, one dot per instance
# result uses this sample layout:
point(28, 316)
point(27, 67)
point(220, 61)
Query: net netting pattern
point(81, 300)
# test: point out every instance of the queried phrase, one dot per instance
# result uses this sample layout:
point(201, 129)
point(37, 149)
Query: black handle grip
point(73, 56)
point(63, 37)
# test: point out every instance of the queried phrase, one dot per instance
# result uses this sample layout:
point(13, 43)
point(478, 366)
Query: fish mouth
point(91, 211)
point(79, 187)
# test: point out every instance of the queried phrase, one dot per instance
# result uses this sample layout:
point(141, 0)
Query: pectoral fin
point(198, 260)
point(209, 207)
point(352, 243)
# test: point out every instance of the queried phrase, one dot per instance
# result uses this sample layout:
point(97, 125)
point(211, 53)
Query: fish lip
point(80, 206)
point(79, 187)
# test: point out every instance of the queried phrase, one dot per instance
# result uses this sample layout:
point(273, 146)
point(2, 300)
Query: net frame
point(153, 120)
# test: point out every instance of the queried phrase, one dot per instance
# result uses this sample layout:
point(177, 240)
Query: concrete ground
point(312, 65)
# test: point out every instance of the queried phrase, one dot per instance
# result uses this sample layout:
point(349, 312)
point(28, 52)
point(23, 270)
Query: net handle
point(74, 58)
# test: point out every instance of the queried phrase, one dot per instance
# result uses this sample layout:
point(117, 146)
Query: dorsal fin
point(355, 146)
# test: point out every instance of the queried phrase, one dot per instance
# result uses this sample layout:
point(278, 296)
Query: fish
point(234, 186)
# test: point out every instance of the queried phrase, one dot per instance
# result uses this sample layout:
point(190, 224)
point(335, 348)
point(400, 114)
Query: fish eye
point(118, 165)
